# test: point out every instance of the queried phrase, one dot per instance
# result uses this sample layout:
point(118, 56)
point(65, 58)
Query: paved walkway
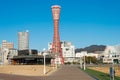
point(64, 73)
point(69, 73)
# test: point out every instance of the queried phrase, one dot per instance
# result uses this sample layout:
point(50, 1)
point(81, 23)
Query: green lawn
point(99, 75)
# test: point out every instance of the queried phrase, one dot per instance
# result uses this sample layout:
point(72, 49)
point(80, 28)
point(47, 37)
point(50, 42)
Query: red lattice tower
point(56, 45)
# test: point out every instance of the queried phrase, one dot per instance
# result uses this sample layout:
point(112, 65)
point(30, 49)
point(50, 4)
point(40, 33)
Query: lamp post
point(84, 60)
point(44, 65)
point(81, 62)
point(84, 63)
point(113, 71)
point(44, 62)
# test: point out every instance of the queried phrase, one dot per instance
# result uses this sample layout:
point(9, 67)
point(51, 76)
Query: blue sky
point(83, 22)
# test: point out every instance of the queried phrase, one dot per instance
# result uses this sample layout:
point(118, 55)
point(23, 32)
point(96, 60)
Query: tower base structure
point(58, 58)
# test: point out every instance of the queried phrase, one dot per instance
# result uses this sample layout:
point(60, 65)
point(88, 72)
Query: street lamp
point(44, 65)
point(113, 71)
point(44, 62)
point(84, 63)
point(84, 60)
point(80, 62)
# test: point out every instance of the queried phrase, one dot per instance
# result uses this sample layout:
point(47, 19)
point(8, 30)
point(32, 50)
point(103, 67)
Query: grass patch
point(99, 75)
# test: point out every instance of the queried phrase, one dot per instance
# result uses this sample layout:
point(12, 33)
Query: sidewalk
point(69, 72)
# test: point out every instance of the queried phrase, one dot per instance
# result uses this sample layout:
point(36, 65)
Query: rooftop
point(56, 6)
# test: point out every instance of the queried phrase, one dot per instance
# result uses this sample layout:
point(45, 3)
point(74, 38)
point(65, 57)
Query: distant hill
point(92, 48)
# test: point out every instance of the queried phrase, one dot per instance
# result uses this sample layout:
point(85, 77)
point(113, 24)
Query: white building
point(111, 58)
point(23, 40)
point(13, 52)
point(117, 48)
point(4, 51)
point(109, 49)
point(4, 56)
point(81, 54)
point(7, 45)
point(111, 54)
point(68, 50)
point(92, 55)
point(84, 53)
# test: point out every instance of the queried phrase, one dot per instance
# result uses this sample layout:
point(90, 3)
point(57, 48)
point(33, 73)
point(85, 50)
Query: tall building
point(23, 40)
point(68, 49)
point(7, 45)
point(56, 46)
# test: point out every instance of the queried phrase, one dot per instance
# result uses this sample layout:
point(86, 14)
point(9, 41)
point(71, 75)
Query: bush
point(68, 63)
